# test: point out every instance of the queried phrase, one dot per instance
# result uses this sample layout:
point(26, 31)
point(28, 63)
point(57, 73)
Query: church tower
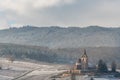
point(84, 61)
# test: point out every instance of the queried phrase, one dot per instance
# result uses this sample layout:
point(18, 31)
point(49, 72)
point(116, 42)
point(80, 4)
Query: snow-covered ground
point(20, 70)
point(86, 78)
point(105, 79)
point(27, 70)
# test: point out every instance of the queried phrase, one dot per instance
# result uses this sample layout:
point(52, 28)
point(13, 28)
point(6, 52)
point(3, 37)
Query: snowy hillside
point(55, 37)
point(21, 70)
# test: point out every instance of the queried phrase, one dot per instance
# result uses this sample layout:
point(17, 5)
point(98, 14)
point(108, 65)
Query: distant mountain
point(58, 37)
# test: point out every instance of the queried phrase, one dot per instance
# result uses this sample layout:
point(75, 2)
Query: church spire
point(84, 53)
point(84, 61)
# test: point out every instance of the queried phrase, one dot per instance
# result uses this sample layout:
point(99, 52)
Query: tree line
point(102, 66)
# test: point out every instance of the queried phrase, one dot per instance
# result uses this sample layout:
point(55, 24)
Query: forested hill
point(57, 37)
point(60, 55)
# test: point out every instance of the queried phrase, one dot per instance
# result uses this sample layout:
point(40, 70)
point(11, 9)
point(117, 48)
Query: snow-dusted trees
point(102, 67)
point(113, 66)
point(91, 78)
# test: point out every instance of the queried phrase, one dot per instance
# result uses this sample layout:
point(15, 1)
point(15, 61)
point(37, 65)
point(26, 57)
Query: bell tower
point(84, 61)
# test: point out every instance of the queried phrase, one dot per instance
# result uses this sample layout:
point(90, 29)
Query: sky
point(81, 13)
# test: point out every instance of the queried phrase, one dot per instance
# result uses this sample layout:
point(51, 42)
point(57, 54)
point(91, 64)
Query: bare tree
point(11, 59)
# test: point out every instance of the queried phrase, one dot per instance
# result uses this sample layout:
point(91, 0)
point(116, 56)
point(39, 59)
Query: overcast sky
point(15, 13)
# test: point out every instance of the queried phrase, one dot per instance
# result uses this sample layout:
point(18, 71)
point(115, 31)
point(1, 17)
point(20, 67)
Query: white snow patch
point(105, 79)
point(2, 77)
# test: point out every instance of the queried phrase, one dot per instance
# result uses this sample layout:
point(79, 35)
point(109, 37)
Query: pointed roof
point(84, 53)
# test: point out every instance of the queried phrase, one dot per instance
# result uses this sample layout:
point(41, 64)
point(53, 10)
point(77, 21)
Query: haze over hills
point(58, 37)
point(60, 45)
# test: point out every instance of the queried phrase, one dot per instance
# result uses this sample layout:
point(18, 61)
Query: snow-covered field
point(19, 70)
point(27, 71)
point(86, 78)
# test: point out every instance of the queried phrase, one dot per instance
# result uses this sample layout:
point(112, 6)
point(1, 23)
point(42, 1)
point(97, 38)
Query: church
point(82, 63)
point(82, 67)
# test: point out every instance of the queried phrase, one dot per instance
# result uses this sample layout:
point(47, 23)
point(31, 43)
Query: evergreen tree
point(91, 78)
point(113, 66)
point(105, 69)
point(102, 67)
